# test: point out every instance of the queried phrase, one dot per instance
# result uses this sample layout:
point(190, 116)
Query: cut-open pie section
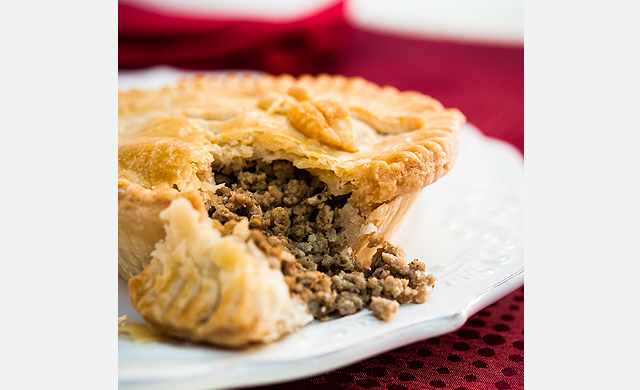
point(249, 205)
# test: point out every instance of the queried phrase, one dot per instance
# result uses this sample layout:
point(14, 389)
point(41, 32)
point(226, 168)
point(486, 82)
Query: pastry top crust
point(357, 137)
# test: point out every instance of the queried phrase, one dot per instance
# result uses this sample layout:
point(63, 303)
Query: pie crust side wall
point(139, 223)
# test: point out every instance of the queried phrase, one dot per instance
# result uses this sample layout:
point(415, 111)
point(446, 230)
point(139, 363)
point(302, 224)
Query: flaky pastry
point(250, 204)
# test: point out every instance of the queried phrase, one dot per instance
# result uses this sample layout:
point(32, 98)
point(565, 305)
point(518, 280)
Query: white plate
point(468, 228)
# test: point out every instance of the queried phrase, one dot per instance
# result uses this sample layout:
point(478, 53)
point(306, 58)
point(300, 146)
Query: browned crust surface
point(377, 140)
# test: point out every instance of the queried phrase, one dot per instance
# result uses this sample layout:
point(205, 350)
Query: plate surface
point(468, 228)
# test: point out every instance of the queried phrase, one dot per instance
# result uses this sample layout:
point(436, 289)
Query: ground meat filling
point(288, 208)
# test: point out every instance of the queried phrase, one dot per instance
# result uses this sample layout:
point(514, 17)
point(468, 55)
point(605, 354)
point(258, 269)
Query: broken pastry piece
point(248, 205)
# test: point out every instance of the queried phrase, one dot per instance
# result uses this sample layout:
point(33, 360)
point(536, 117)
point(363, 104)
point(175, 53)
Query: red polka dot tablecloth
point(486, 353)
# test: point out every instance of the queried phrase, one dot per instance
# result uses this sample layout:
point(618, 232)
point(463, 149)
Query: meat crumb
point(288, 214)
point(383, 309)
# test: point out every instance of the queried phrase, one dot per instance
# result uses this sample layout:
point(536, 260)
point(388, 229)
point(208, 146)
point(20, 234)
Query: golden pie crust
point(376, 145)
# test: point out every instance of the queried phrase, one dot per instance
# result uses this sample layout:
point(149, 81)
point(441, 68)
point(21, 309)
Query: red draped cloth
point(306, 45)
point(485, 81)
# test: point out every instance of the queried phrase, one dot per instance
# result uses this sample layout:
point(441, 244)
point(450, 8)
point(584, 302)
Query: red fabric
point(486, 82)
point(147, 37)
